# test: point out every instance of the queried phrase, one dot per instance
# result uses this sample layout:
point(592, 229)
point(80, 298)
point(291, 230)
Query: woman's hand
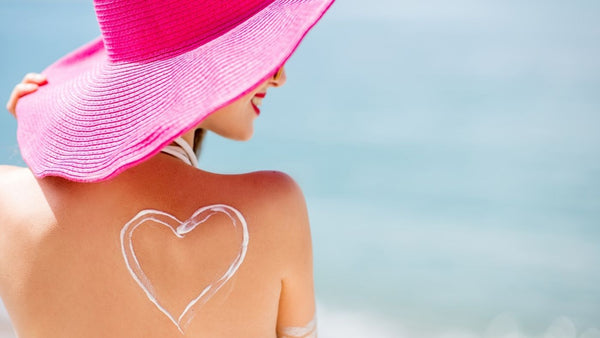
point(31, 82)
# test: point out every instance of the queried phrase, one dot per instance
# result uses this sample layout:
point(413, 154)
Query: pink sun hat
point(159, 68)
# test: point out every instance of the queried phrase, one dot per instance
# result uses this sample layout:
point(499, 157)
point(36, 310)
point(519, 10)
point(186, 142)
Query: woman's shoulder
point(274, 198)
point(20, 207)
point(11, 176)
point(14, 181)
point(276, 192)
point(20, 196)
point(274, 184)
point(9, 169)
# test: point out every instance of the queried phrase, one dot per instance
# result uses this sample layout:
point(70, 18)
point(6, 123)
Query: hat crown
point(137, 30)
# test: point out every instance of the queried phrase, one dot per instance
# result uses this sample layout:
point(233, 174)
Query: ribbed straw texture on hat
point(158, 70)
point(174, 26)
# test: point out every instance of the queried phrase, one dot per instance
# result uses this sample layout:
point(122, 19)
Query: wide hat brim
point(96, 117)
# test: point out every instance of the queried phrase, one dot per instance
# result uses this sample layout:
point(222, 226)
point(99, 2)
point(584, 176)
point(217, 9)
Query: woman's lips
point(257, 101)
point(255, 108)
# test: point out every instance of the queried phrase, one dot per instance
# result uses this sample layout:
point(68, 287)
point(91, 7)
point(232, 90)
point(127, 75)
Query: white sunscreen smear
point(307, 331)
point(180, 229)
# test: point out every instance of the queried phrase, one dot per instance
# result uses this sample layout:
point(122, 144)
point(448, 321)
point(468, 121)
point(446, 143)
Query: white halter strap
point(182, 151)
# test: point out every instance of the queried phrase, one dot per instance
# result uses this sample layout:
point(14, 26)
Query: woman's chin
point(241, 135)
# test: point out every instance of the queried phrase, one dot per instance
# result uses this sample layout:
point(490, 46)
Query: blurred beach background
point(449, 152)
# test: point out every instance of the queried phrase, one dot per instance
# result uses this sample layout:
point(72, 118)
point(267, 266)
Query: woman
point(111, 231)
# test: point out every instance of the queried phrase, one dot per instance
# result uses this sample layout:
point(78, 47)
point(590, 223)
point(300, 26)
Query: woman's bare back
point(63, 254)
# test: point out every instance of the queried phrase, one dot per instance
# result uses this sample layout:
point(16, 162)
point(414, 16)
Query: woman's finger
point(19, 91)
point(36, 78)
point(29, 84)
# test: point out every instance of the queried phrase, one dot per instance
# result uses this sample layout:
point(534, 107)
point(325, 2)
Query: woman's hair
point(198, 138)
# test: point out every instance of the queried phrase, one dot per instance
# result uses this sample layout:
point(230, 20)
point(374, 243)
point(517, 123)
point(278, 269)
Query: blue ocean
point(449, 153)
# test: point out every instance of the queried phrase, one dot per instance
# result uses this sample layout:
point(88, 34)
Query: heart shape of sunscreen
point(180, 229)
